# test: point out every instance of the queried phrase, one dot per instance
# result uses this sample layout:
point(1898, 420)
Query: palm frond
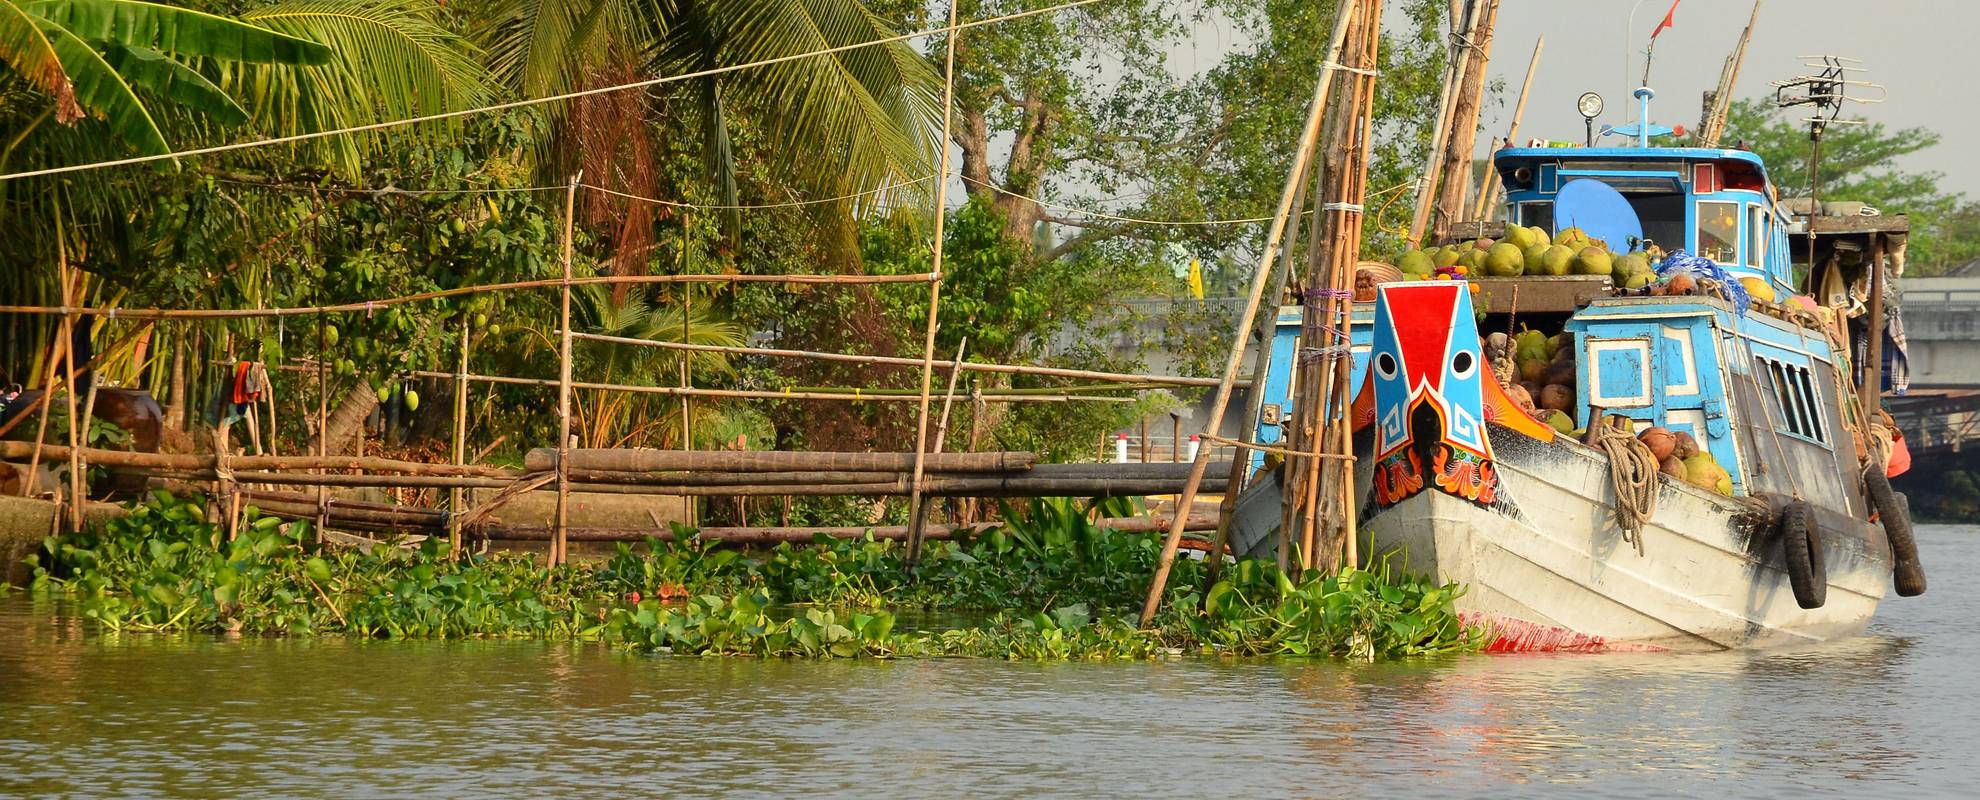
point(25, 48)
point(850, 121)
point(391, 61)
point(102, 91)
point(542, 47)
point(158, 73)
point(178, 30)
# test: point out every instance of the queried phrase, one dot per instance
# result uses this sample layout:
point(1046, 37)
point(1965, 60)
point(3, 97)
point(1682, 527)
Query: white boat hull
point(1551, 571)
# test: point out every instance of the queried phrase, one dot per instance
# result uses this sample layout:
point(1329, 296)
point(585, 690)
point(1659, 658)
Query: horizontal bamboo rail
point(544, 458)
point(861, 395)
point(946, 485)
point(967, 366)
point(777, 535)
point(127, 458)
point(369, 306)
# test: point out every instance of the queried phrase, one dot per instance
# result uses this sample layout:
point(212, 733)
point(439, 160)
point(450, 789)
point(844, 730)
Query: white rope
point(375, 126)
point(1355, 208)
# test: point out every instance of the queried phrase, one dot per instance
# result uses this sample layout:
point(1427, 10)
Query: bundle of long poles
point(1320, 485)
point(1261, 278)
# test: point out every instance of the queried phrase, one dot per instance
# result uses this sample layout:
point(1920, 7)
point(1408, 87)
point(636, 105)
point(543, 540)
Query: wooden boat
point(1455, 479)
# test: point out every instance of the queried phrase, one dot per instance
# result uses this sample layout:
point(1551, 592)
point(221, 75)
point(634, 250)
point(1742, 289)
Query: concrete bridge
point(1940, 416)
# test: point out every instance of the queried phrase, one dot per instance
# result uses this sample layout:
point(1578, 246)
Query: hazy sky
point(1921, 50)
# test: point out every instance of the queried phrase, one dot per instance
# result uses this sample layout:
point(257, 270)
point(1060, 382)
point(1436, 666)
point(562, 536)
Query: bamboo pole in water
point(920, 517)
point(915, 499)
point(1261, 277)
point(454, 499)
point(564, 385)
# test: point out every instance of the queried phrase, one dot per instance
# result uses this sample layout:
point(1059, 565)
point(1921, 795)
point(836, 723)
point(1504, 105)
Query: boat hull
point(1550, 569)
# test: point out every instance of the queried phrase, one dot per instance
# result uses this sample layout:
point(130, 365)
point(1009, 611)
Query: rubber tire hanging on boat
point(1801, 541)
point(1894, 511)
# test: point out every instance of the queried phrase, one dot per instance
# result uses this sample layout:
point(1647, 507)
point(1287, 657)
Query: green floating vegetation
point(1049, 584)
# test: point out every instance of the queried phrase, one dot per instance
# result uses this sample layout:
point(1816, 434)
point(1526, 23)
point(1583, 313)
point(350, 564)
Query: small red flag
point(1668, 18)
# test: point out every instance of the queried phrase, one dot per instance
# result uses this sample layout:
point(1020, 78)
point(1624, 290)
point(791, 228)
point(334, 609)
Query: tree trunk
point(175, 399)
point(347, 419)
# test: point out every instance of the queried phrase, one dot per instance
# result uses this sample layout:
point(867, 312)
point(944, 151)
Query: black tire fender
point(1801, 541)
point(1894, 511)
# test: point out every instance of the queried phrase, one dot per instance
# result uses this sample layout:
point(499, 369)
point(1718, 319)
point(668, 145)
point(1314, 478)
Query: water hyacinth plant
point(1049, 584)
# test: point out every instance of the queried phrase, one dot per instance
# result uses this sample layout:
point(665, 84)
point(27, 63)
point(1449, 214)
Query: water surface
point(1893, 713)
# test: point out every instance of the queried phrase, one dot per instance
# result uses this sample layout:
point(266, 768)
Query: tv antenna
point(1825, 91)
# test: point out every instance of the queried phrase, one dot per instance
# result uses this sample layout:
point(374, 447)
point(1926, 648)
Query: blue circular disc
point(1600, 211)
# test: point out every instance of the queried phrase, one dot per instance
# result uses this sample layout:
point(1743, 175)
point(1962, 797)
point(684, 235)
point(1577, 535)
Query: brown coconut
point(1557, 397)
point(1533, 369)
point(1560, 372)
point(1672, 466)
point(1521, 399)
point(1681, 284)
point(1660, 441)
point(1686, 445)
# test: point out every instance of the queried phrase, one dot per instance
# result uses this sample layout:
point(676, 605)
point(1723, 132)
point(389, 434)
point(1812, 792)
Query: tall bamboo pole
point(1715, 120)
point(454, 505)
point(1261, 277)
point(915, 499)
point(1489, 196)
point(69, 289)
point(322, 425)
point(1462, 22)
point(558, 542)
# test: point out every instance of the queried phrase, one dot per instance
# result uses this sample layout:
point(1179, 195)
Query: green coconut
point(1417, 262)
point(1557, 260)
point(1535, 257)
point(1592, 260)
point(1504, 260)
point(1446, 256)
point(1519, 237)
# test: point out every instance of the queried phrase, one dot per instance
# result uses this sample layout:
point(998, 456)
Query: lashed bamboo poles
point(1324, 305)
point(564, 386)
point(1463, 23)
point(915, 500)
point(920, 519)
point(1337, 471)
point(1261, 277)
point(1463, 134)
point(1489, 195)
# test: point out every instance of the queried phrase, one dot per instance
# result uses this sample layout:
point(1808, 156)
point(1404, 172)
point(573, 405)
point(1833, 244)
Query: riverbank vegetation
point(1048, 584)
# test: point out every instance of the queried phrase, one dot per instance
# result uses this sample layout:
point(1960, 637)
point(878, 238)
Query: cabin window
point(1541, 214)
point(1718, 231)
point(1796, 399)
point(1756, 235)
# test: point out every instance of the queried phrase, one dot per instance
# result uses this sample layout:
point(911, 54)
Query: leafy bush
point(1054, 584)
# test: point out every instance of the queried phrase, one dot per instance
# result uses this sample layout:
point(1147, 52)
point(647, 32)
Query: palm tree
point(848, 122)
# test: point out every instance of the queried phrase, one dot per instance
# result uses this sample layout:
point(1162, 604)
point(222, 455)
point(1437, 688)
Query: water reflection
point(85, 714)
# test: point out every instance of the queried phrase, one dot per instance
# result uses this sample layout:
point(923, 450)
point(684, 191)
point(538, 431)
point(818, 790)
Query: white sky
point(1919, 49)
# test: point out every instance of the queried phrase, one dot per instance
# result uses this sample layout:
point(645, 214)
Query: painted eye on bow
point(1463, 363)
point(1385, 364)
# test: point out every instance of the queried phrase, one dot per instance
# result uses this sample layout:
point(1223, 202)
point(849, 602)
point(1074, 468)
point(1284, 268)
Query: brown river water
point(1892, 713)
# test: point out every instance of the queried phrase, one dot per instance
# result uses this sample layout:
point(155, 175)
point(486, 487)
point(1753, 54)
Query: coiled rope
point(1633, 470)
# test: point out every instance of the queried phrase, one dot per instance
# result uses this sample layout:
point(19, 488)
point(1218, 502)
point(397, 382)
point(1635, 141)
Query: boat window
point(1796, 399)
point(1756, 234)
point(1662, 216)
point(1541, 214)
point(1718, 231)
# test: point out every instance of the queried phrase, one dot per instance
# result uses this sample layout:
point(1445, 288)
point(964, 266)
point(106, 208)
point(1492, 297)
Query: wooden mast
point(1488, 196)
